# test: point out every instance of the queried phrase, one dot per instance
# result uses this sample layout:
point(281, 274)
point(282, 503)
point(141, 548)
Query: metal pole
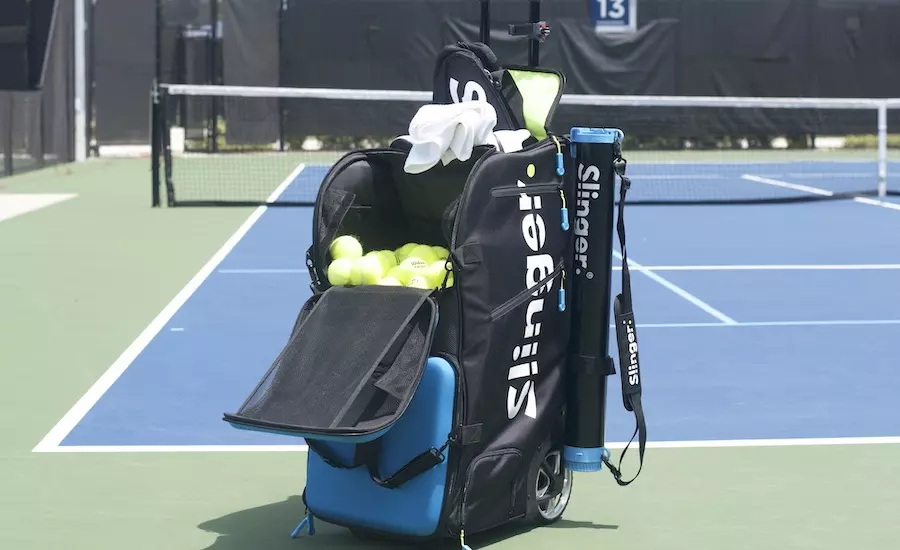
point(281, 111)
point(485, 22)
point(534, 46)
point(80, 86)
point(213, 53)
point(882, 149)
point(156, 117)
point(91, 138)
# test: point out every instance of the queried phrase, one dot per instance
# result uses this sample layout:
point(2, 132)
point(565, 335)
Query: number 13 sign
point(614, 15)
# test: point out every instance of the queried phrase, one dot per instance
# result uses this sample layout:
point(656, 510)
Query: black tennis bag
point(433, 413)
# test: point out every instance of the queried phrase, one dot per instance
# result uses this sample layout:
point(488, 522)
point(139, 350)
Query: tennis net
point(234, 145)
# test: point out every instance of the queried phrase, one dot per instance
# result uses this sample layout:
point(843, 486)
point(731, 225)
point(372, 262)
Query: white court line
point(698, 444)
point(16, 204)
point(177, 449)
point(261, 271)
point(679, 291)
point(817, 191)
point(68, 422)
point(691, 177)
point(818, 175)
point(794, 186)
point(873, 202)
point(850, 322)
point(784, 267)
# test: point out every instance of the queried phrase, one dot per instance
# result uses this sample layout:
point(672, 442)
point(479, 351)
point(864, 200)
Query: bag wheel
point(550, 487)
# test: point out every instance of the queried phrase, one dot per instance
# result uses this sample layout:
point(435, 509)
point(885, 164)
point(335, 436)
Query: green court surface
point(81, 279)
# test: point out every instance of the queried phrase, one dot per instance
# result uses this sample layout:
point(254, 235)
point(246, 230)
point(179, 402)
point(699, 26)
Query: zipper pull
point(308, 522)
point(562, 292)
point(462, 540)
point(564, 211)
point(560, 167)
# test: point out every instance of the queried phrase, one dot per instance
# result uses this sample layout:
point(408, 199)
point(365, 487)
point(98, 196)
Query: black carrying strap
point(626, 336)
point(366, 454)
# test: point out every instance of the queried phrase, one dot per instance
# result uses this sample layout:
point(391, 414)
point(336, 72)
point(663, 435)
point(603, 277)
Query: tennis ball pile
point(413, 264)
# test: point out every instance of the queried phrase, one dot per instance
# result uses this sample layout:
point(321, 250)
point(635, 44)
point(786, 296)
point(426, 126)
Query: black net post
point(165, 145)
point(155, 111)
point(155, 141)
point(589, 362)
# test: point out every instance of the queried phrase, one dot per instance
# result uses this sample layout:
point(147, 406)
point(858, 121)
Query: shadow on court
point(269, 526)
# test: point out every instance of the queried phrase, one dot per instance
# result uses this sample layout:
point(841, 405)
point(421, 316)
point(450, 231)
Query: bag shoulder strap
point(626, 337)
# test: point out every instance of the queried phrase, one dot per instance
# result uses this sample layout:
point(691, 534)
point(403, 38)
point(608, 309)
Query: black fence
point(36, 126)
point(794, 48)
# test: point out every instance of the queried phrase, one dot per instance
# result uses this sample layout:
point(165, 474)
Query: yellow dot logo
point(530, 170)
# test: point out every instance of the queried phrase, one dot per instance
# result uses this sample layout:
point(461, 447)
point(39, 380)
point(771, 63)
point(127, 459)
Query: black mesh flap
point(352, 364)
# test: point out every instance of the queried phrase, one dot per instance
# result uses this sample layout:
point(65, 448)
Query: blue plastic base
point(352, 498)
point(583, 460)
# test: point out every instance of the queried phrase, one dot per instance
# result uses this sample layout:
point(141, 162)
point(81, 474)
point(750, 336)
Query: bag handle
point(366, 454)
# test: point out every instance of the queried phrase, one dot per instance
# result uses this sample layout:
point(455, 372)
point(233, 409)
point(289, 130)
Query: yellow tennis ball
point(424, 253)
point(390, 281)
point(339, 271)
point(441, 252)
point(409, 268)
point(369, 269)
point(403, 252)
point(398, 274)
point(437, 271)
point(377, 255)
point(416, 266)
point(355, 273)
point(346, 247)
point(419, 282)
point(388, 259)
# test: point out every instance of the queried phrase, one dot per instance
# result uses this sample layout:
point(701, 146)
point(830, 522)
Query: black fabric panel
point(250, 42)
point(639, 63)
point(250, 58)
point(124, 70)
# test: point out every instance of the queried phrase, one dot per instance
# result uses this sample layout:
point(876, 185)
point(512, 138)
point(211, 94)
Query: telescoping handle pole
point(589, 364)
point(534, 45)
point(535, 30)
point(485, 34)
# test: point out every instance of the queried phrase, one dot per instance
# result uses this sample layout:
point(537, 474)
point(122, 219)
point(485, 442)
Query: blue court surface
point(756, 322)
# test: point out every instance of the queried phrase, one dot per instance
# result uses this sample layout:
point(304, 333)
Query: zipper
point(462, 506)
point(522, 296)
point(536, 189)
point(466, 188)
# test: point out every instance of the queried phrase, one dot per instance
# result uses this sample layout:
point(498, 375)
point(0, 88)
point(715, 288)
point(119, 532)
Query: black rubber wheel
point(549, 486)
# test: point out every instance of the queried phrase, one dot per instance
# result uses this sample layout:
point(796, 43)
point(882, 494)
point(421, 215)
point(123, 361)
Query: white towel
point(447, 132)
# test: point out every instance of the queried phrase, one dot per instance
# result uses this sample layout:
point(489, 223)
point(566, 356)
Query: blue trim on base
point(580, 459)
point(596, 135)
